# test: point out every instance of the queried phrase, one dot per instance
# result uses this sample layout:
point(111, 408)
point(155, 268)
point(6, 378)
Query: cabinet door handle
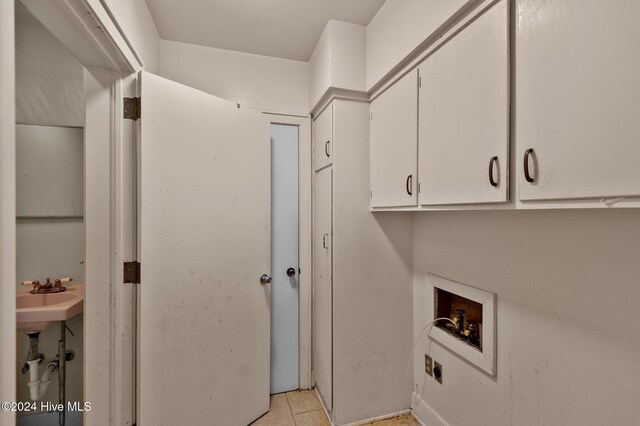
point(492, 163)
point(409, 184)
point(326, 148)
point(324, 241)
point(527, 174)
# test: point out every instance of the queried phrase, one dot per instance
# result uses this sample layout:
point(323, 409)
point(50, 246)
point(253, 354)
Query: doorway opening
point(72, 154)
point(50, 228)
point(284, 259)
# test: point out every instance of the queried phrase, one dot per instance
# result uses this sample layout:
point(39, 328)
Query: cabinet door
point(323, 139)
point(394, 144)
point(464, 115)
point(323, 286)
point(578, 99)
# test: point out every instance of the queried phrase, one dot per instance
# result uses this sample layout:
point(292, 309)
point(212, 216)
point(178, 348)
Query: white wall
point(399, 27)
point(338, 61)
point(567, 285)
point(348, 56)
point(48, 77)
point(269, 84)
point(320, 68)
point(372, 280)
point(49, 91)
point(135, 21)
point(50, 248)
point(50, 164)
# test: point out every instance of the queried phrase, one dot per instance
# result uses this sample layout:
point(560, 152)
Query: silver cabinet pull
point(326, 148)
point(324, 241)
point(409, 184)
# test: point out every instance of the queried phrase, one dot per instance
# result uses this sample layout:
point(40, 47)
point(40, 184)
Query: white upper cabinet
point(323, 139)
point(464, 115)
point(578, 99)
point(394, 144)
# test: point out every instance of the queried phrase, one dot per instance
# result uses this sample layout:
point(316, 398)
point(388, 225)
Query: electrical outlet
point(437, 372)
point(428, 365)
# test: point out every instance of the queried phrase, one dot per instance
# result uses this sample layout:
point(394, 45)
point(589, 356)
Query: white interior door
point(323, 287)
point(205, 242)
point(284, 261)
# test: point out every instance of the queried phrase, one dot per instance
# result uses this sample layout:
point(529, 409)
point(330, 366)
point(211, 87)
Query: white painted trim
point(602, 203)
point(424, 413)
point(485, 359)
point(334, 93)
point(103, 12)
point(7, 211)
point(597, 203)
point(87, 29)
point(326, 412)
point(304, 241)
point(125, 241)
point(101, 90)
point(372, 419)
point(378, 418)
point(449, 29)
point(109, 332)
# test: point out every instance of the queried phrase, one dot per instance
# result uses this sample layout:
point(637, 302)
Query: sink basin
point(35, 312)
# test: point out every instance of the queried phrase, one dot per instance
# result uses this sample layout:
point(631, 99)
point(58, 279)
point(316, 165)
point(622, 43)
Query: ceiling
point(281, 28)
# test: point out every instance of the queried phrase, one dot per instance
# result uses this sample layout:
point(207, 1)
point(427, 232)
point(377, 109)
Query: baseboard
point(326, 412)
point(424, 413)
point(378, 418)
point(364, 422)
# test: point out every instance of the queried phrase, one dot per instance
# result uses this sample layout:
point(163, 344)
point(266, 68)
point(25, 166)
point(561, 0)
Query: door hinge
point(132, 272)
point(132, 108)
point(419, 81)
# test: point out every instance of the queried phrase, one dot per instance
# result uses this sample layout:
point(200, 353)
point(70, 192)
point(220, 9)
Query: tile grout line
point(291, 410)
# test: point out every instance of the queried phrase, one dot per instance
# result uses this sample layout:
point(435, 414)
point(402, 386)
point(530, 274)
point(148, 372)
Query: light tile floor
point(302, 408)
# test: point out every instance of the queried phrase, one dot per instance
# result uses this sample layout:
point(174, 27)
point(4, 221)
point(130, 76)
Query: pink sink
point(35, 312)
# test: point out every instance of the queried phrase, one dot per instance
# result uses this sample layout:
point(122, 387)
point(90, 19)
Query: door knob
point(265, 279)
point(291, 272)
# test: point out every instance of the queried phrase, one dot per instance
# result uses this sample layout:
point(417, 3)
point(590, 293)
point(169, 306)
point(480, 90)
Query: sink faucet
point(39, 288)
point(48, 284)
point(59, 281)
point(36, 286)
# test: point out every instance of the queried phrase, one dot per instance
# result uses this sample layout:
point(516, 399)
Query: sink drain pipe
point(39, 385)
point(62, 372)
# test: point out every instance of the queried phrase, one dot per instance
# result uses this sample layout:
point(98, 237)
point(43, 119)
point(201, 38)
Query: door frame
point(8, 364)
point(304, 240)
point(109, 322)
